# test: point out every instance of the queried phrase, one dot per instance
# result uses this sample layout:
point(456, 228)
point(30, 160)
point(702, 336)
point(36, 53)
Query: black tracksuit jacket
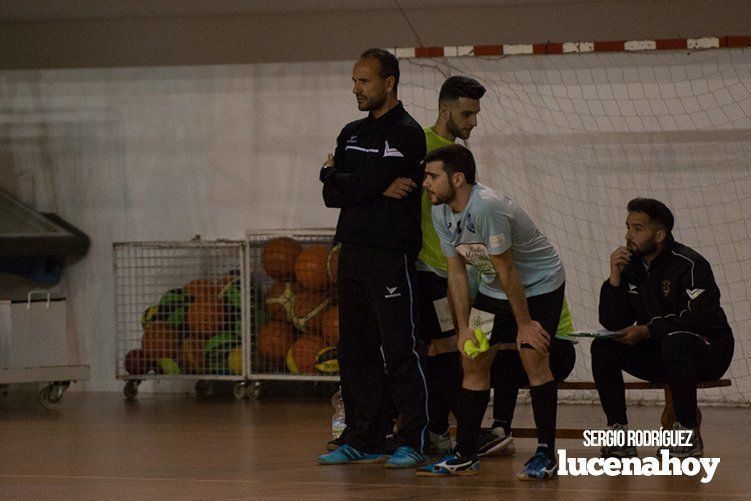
point(678, 293)
point(370, 154)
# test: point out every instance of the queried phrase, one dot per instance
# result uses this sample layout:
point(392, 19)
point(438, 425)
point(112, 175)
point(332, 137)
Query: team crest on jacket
point(666, 287)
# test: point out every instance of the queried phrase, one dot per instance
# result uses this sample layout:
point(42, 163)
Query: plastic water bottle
point(337, 420)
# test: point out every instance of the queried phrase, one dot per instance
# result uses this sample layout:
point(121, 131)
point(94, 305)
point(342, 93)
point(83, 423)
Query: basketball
point(310, 267)
point(275, 340)
point(159, 340)
point(192, 355)
point(332, 263)
point(205, 318)
point(136, 362)
point(327, 361)
point(301, 358)
point(203, 290)
point(278, 257)
point(307, 310)
point(330, 326)
point(279, 300)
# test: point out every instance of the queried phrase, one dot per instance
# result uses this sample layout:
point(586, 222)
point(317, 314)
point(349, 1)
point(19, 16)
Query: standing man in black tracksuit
point(663, 297)
point(373, 178)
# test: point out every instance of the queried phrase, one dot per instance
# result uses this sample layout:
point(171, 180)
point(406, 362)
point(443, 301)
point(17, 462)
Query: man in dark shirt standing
point(662, 297)
point(372, 178)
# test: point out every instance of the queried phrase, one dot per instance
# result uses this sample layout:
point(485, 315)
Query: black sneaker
point(619, 451)
point(333, 445)
point(694, 448)
point(495, 443)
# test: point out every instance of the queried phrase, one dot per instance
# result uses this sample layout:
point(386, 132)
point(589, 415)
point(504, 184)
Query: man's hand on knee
point(532, 335)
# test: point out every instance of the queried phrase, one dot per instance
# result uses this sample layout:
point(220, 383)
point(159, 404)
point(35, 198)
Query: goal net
point(574, 137)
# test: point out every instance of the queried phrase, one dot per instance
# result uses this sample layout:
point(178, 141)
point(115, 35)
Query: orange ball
point(203, 290)
point(205, 318)
point(332, 265)
point(278, 257)
point(301, 358)
point(307, 310)
point(310, 267)
point(192, 354)
point(330, 326)
point(159, 341)
point(275, 340)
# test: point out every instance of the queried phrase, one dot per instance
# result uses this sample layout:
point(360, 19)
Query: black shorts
point(431, 288)
point(545, 309)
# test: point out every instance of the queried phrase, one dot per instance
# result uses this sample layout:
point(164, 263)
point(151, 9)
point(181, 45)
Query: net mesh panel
point(574, 137)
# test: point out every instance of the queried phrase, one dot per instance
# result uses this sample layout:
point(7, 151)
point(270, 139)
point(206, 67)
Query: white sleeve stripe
point(688, 303)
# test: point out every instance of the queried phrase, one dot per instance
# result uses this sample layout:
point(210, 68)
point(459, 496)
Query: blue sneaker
point(451, 464)
point(541, 466)
point(349, 455)
point(406, 457)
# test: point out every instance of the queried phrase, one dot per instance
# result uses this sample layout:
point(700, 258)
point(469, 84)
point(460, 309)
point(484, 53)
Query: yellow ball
point(235, 360)
point(169, 366)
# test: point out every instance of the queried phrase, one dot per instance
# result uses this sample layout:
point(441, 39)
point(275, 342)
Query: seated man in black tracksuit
point(663, 297)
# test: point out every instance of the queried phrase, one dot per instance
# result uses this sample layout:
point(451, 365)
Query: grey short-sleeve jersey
point(491, 224)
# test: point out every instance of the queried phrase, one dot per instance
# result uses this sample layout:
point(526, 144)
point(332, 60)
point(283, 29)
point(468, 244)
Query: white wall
point(165, 154)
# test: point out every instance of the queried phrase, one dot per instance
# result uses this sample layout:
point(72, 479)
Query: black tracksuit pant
point(377, 349)
point(681, 359)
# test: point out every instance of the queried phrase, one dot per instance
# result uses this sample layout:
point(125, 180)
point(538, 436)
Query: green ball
point(232, 294)
point(218, 349)
point(173, 307)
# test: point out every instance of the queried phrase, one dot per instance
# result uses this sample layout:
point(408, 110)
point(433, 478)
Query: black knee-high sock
point(544, 407)
point(472, 407)
point(444, 384)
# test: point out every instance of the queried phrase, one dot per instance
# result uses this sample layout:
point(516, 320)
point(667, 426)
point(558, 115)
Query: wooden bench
point(667, 418)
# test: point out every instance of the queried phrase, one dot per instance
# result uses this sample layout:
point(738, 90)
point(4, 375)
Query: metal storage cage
point(180, 313)
point(294, 320)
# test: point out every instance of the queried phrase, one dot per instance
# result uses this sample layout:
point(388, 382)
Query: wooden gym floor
point(167, 446)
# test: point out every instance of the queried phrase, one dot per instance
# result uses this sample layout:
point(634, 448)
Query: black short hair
point(455, 158)
point(460, 86)
point(656, 210)
point(389, 64)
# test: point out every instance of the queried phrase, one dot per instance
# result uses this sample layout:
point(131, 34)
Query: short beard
point(646, 249)
point(455, 131)
point(447, 197)
point(372, 104)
